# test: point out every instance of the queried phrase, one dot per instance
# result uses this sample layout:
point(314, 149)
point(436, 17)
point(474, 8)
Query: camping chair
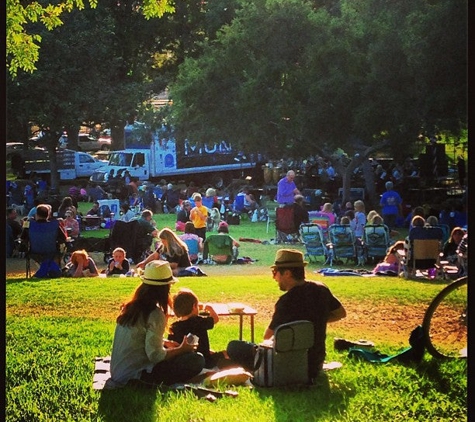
point(286, 361)
point(42, 245)
point(424, 255)
point(218, 244)
point(284, 225)
point(130, 236)
point(271, 208)
point(376, 241)
point(315, 245)
point(342, 241)
point(316, 217)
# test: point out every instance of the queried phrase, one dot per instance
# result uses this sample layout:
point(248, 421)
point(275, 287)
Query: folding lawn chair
point(312, 237)
point(376, 241)
point(342, 241)
point(284, 225)
point(425, 246)
point(42, 244)
point(129, 236)
point(316, 217)
point(218, 244)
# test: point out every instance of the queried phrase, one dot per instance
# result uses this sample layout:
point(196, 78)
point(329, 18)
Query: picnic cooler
point(286, 361)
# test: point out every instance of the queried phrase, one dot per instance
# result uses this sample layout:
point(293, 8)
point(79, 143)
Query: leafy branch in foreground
point(22, 46)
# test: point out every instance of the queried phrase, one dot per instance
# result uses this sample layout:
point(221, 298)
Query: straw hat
point(158, 273)
point(289, 258)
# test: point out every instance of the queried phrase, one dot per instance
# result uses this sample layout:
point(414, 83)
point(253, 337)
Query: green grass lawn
point(55, 329)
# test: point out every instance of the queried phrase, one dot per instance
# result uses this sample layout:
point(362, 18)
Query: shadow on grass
point(304, 402)
point(128, 404)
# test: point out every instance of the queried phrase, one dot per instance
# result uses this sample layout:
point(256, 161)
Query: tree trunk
point(117, 135)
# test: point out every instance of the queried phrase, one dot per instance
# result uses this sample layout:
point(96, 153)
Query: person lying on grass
point(81, 265)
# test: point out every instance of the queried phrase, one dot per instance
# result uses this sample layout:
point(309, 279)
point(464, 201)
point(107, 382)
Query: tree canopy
point(290, 77)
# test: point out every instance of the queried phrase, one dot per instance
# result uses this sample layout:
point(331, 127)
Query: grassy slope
point(54, 329)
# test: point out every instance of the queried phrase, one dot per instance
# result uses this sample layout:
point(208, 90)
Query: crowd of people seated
point(450, 218)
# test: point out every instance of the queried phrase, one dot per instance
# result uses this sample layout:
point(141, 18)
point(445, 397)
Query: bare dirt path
point(375, 322)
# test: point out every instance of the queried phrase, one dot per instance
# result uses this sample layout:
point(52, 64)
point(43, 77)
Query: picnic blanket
point(101, 372)
point(349, 272)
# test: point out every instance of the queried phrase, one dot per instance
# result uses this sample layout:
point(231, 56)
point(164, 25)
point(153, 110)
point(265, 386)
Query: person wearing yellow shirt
point(199, 216)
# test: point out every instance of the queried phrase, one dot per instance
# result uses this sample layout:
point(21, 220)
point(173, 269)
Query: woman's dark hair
point(146, 298)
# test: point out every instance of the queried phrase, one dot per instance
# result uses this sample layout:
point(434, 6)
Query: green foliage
point(301, 78)
point(23, 46)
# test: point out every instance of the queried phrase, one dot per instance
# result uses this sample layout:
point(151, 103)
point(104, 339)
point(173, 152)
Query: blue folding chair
point(42, 244)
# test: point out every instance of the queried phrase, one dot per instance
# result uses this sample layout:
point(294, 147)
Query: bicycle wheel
point(446, 320)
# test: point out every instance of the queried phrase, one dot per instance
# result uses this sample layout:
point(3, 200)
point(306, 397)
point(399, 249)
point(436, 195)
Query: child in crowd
point(327, 209)
point(359, 224)
point(360, 217)
point(390, 263)
point(118, 264)
point(186, 308)
point(80, 265)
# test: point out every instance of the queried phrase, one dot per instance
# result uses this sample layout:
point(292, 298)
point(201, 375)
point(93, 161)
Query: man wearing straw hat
point(302, 300)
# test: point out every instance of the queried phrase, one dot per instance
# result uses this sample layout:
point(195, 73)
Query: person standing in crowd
point(360, 218)
point(140, 351)
point(199, 216)
point(303, 300)
point(287, 189)
point(391, 203)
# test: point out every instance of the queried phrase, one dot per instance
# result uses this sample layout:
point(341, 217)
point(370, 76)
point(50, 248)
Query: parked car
point(88, 142)
point(13, 147)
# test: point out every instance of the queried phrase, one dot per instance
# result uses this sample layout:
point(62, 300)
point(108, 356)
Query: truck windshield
point(122, 159)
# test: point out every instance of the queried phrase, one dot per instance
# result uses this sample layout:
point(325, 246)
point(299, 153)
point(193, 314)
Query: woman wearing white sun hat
point(139, 350)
